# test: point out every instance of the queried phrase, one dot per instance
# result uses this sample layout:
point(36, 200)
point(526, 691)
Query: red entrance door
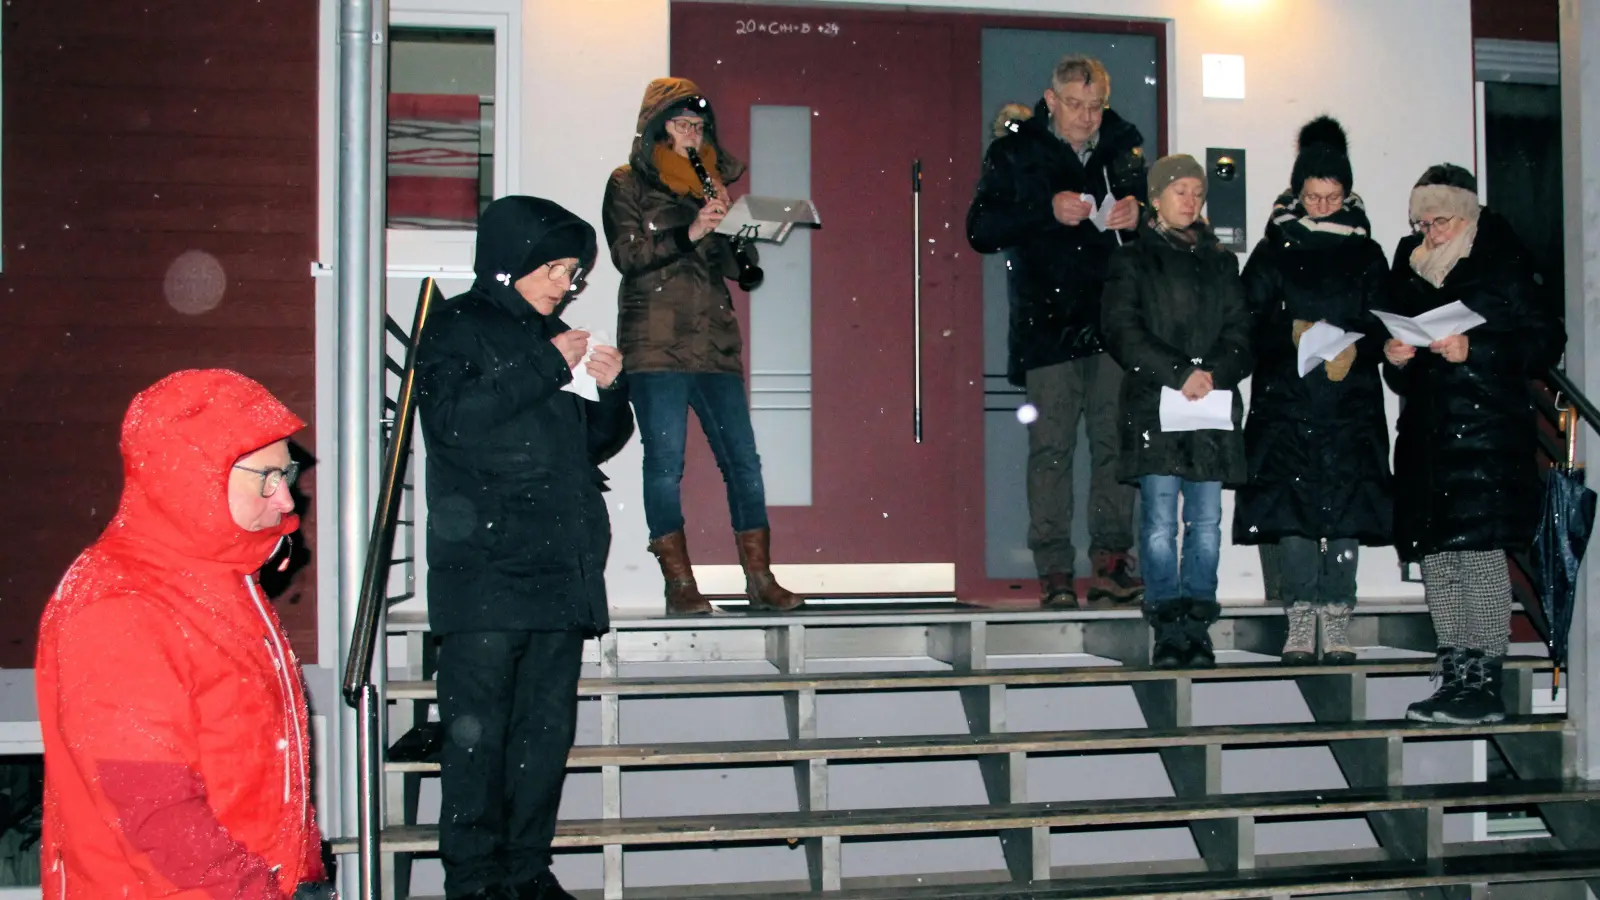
point(879, 90)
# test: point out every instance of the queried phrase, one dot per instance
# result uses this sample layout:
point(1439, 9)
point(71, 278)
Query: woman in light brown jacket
point(679, 336)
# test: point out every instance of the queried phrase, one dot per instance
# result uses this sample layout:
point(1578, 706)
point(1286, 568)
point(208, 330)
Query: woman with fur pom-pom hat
point(1318, 445)
point(1465, 471)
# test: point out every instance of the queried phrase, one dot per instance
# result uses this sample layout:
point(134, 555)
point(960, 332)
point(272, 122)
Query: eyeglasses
point(1428, 225)
point(274, 478)
point(1334, 198)
point(686, 126)
point(1074, 106)
point(558, 271)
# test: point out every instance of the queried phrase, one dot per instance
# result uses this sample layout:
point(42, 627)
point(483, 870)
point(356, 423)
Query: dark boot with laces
point(1478, 701)
point(1446, 673)
point(1197, 622)
point(1170, 649)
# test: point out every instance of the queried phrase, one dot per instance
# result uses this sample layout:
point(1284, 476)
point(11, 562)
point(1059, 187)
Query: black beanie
point(1324, 153)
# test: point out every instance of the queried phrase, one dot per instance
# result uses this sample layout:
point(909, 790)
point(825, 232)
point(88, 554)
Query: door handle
point(916, 299)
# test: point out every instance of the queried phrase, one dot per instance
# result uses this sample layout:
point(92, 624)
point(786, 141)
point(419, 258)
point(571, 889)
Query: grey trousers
point(1089, 389)
point(1469, 599)
point(1303, 570)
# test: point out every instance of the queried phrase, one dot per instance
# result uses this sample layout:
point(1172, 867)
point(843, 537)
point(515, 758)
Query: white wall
point(1398, 74)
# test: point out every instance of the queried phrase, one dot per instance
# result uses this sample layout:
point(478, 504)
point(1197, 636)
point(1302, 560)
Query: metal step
point(967, 746)
point(863, 682)
point(1428, 802)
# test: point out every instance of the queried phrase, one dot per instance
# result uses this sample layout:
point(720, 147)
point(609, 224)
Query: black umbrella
point(1566, 520)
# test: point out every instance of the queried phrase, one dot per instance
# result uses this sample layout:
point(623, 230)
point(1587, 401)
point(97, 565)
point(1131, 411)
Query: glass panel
point(441, 127)
point(780, 310)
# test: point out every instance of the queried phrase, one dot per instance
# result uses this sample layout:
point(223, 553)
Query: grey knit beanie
point(1171, 168)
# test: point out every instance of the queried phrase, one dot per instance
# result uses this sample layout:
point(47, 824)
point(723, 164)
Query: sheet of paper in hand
point(582, 383)
point(1321, 343)
point(1213, 412)
point(1434, 325)
point(766, 218)
point(1098, 214)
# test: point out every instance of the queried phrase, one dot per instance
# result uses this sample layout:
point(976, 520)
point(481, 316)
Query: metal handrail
point(358, 666)
point(1581, 404)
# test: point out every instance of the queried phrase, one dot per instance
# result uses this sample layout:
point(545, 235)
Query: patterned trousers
point(1469, 598)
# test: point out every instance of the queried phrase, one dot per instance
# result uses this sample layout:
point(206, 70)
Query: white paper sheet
point(1213, 412)
point(1321, 343)
point(767, 218)
point(1099, 213)
point(1434, 325)
point(582, 383)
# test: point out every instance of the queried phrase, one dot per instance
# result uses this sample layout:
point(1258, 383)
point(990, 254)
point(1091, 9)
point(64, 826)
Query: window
point(441, 134)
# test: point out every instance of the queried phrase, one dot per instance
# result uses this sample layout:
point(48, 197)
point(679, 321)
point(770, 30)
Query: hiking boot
point(1446, 663)
point(683, 595)
point(1335, 620)
point(1197, 628)
point(1113, 578)
point(1170, 643)
point(1056, 591)
point(1478, 700)
point(764, 591)
point(1300, 647)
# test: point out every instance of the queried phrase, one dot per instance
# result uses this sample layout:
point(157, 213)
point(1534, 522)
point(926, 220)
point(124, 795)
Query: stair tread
point(933, 613)
point(710, 685)
point(773, 826)
point(1201, 885)
point(968, 745)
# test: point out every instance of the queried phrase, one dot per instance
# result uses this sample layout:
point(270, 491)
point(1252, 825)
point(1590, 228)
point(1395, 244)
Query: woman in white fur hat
point(1467, 486)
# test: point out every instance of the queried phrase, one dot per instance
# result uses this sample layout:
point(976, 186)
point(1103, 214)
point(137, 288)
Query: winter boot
point(1170, 647)
point(755, 555)
point(1446, 671)
point(1335, 619)
point(683, 595)
point(1300, 647)
point(1113, 578)
point(1197, 628)
point(1056, 591)
point(1478, 701)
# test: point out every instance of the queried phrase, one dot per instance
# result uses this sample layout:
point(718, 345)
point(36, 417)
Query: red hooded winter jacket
point(174, 718)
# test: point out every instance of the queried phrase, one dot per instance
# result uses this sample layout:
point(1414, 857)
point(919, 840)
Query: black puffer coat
point(1170, 310)
point(1056, 272)
point(518, 532)
point(1318, 449)
point(1466, 477)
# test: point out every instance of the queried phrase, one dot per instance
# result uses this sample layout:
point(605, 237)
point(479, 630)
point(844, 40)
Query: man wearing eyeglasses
point(177, 753)
point(1031, 204)
point(518, 535)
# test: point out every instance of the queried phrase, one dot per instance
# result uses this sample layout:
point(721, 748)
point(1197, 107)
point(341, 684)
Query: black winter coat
point(1170, 310)
point(518, 532)
point(1465, 470)
point(1056, 272)
point(1318, 449)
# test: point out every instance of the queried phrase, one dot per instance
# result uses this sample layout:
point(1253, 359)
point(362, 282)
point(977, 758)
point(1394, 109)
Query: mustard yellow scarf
point(678, 175)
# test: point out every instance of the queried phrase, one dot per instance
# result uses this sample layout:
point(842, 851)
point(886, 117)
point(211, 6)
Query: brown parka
point(674, 311)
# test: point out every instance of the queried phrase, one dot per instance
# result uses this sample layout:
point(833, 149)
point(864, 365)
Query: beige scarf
point(1429, 201)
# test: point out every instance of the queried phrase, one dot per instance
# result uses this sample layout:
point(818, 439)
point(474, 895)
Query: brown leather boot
point(755, 555)
point(683, 595)
point(1113, 577)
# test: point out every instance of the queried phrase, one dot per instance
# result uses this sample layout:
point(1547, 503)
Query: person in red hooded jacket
point(174, 718)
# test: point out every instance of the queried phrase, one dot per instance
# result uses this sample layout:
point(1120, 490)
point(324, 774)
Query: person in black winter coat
point(518, 536)
point(1175, 320)
point(1318, 445)
point(1467, 484)
point(1030, 204)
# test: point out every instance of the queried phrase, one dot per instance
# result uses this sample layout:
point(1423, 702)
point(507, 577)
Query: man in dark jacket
point(518, 536)
point(1031, 202)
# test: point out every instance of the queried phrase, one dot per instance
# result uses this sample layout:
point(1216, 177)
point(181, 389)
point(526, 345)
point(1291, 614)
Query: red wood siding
point(1516, 20)
point(133, 133)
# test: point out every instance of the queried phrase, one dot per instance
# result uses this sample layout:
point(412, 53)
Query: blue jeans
point(661, 404)
point(1164, 579)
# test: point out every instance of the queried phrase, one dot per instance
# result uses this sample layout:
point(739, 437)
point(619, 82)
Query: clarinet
point(750, 274)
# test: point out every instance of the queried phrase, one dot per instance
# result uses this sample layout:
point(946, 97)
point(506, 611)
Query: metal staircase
point(986, 660)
